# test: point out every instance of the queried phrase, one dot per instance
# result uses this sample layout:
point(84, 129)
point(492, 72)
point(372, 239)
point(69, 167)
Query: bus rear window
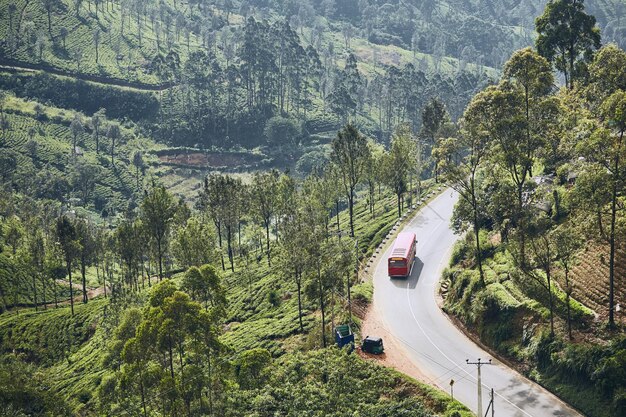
point(397, 263)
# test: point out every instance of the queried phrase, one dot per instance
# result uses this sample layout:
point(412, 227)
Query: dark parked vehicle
point(373, 345)
point(344, 336)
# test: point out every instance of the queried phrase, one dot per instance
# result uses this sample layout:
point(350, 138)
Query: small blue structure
point(344, 336)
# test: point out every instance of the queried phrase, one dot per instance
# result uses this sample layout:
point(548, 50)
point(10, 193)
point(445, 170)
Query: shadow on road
point(416, 271)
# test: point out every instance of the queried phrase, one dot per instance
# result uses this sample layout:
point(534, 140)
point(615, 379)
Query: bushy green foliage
point(332, 382)
point(83, 96)
point(41, 147)
point(48, 337)
point(24, 391)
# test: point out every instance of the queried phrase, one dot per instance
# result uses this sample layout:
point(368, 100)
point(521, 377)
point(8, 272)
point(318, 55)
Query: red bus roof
point(402, 245)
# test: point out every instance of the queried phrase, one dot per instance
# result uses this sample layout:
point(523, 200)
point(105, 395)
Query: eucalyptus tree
point(537, 261)
point(434, 117)
point(293, 260)
point(77, 129)
point(606, 74)
point(127, 245)
point(12, 9)
point(321, 189)
point(96, 40)
point(84, 177)
point(264, 195)
point(97, 121)
point(350, 154)
point(223, 197)
point(568, 242)
point(114, 134)
point(194, 244)
point(464, 155)
point(68, 240)
point(37, 254)
point(86, 241)
point(139, 165)
point(211, 201)
point(605, 147)
point(78, 55)
point(518, 115)
point(63, 32)
point(157, 213)
point(398, 163)
point(374, 175)
point(51, 6)
point(567, 37)
point(204, 285)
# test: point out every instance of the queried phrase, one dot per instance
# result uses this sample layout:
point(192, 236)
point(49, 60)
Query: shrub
point(282, 131)
point(611, 372)
point(273, 299)
point(84, 396)
point(494, 312)
point(462, 250)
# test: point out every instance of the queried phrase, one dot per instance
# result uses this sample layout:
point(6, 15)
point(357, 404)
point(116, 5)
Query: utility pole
point(479, 409)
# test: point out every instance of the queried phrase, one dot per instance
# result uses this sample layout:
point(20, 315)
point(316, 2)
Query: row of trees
point(271, 73)
point(241, 76)
point(232, 220)
point(510, 129)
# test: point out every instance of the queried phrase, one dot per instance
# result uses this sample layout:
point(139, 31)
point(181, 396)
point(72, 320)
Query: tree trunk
point(351, 209)
point(69, 273)
point(319, 278)
point(479, 260)
point(520, 216)
point(143, 398)
point(549, 279)
point(169, 348)
point(56, 299)
point(230, 249)
point(267, 239)
point(160, 256)
point(399, 207)
point(568, 291)
point(82, 272)
point(612, 254)
point(43, 290)
point(219, 241)
point(337, 209)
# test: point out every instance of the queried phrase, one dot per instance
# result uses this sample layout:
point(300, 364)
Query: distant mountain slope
point(129, 34)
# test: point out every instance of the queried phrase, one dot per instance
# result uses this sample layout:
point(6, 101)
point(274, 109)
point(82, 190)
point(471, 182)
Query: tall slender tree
point(349, 154)
point(67, 237)
point(157, 212)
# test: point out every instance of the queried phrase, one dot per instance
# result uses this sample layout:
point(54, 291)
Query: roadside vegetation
point(540, 175)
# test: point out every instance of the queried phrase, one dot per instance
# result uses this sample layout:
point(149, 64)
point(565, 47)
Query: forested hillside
point(541, 178)
point(260, 271)
point(190, 191)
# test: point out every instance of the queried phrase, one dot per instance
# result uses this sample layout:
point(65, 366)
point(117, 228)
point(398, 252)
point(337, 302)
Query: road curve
point(409, 311)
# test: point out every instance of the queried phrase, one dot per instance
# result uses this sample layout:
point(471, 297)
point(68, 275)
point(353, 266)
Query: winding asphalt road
point(410, 312)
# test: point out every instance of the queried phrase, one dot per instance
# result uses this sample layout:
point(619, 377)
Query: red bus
point(402, 255)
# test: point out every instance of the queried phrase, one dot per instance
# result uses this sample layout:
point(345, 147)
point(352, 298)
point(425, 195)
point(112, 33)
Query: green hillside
point(190, 192)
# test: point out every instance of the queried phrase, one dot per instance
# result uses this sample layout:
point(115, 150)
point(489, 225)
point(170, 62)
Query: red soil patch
point(201, 159)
